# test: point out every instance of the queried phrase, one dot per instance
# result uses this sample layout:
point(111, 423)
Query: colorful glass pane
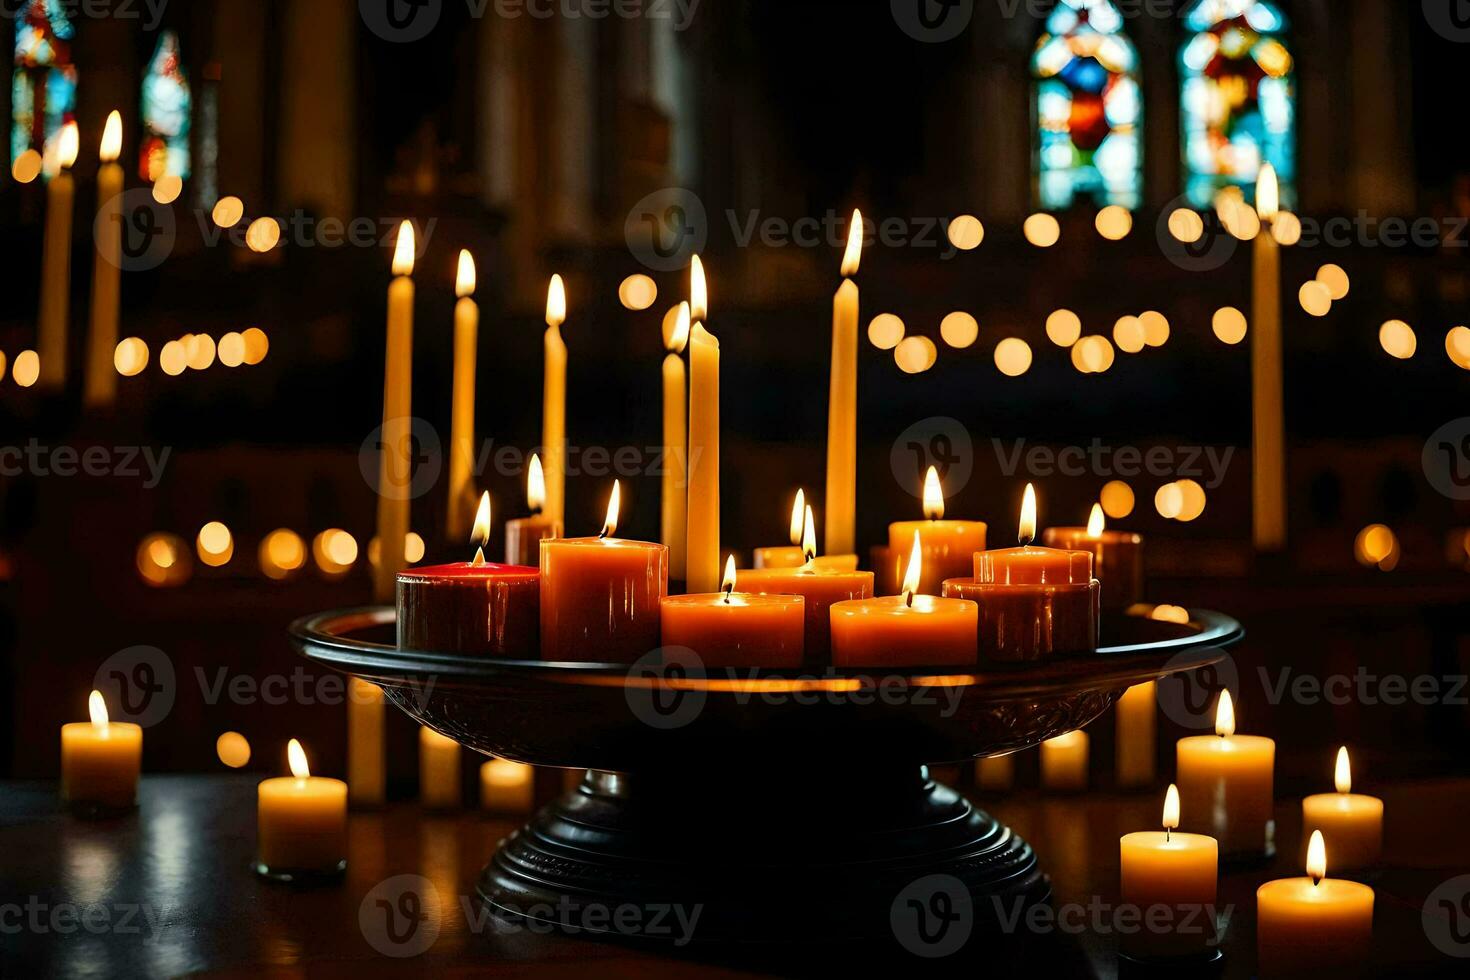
point(167, 105)
point(44, 85)
point(1239, 98)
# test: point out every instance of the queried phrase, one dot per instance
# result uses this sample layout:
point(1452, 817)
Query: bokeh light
point(166, 189)
point(173, 359)
point(1286, 229)
point(1193, 497)
point(163, 560)
point(1336, 280)
point(257, 345)
point(1169, 501)
point(215, 544)
point(959, 330)
point(27, 167)
point(1377, 545)
point(1063, 328)
point(263, 234)
point(1230, 325)
point(885, 331)
point(199, 350)
point(228, 211)
point(1042, 230)
point(1315, 298)
point(1398, 340)
point(1114, 222)
point(130, 356)
point(1128, 334)
point(1457, 346)
point(1155, 328)
point(637, 292)
point(915, 355)
point(27, 368)
point(1013, 357)
point(232, 349)
point(233, 749)
point(282, 553)
point(1117, 499)
point(334, 551)
point(1186, 226)
point(966, 232)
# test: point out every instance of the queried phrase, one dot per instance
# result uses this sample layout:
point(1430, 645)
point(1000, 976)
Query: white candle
point(506, 787)
point(56, 263)
point(841, 518)
point(702, 572)
point(554, 403)
point(439, 782)
point(301, 822)
point(100, 760)
point(101, 382)
point(1313, 926)
point(1064, 762)
point(1268, 448)
point(1351, 823)
point(674, 511)
point(1178, 872)
point(1137, 723)
point(461, 508)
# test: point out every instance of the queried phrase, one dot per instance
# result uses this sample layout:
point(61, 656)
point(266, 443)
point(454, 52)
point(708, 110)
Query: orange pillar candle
point(1351, 822)
point(439, 781)
point(907, 630)
point(841, 518)
point(100, 760)
point(1136, 743)
point(1176, 872)
point(600, 596)
point(702, 511)
point(1034, 602)
point(301, 822)
point(949, 546)
point(1117, 557)
point(523, 536)
point(554, 401)
point(736, 629)
point(1226, 782)
point(1312, 925)
point(506, 787)
point(1064, 762)
point(53, 321)
point(101, 381)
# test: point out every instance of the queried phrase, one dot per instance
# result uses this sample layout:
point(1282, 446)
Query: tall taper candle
point(702, 563)
point(554, 403)
point(842, 404)
point(56, 262)
point(460, 513)
point(675, 516)
point(101, 383)
point(1268, 447)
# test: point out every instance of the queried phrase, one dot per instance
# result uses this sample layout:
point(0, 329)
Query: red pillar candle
point(1034, 602)
point(907, 630)
point(949, 546)
point(600, 596)
point(523, 536)
point(736, 629)
point(1117, 557)
point(471, 607)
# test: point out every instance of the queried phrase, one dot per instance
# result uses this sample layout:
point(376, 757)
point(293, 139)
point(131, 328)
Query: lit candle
point(1064, 762)
point(906, 630)
point(600, 596)
point(1034, 602)
point(554, 402)
point(301, 823)
point(523, 536)
point(674, 512)
point(439, 779)
point(795, 556)
point(1306, 926)
point(1351, 822)
point(472, 607)
point(1178, 872)
point(1268, 446)
point(101, 381)
point(996, 773)
point(736, 629)
point(56, 262)
point(100, 761)
point(1117, 557)
point(506, 787)
point(1135, 751)
point(841, 538)
point(1227, 784)
point(460, 511)
point(949, 546)
point(702, 563)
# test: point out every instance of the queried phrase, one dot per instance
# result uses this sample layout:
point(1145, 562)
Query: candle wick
point(479, 558)
point(1026, 540)
point(1167, 835)
point(908, 599)
point(602, 535)
point(1316, 880)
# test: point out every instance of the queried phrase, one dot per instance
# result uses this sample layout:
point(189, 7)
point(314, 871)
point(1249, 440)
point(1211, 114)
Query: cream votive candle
point(1064, 762)
point(1313, 926)
point(1351, 823)
point(301, 823)
point(1227, 786)
point(1176, 872)
point(506, 786)
point(439, 769)
point(100, 761)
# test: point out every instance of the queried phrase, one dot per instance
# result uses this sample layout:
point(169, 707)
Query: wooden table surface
point(167, 891)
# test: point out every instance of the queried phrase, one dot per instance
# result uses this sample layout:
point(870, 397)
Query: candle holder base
point(1204, 965)
point(302, 876)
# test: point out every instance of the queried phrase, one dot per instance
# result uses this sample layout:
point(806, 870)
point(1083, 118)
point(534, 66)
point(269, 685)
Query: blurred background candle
point(460, 511)
point(600, 596)
point(1227, 786)
point(1268, 444)
point(100, 760)
point(1135, 750)
point(786, 556)
point(841, 516)
point(995, 774)
point(506, 787)
point(1179, 872)
point(736, 629)
point(101, 381)
point(674, 509)
point(1117, 557)
point(51, 326)
point(949, 546)
point(301, 822)
point(1351, 822)
point(554, 402)
point(523, 536)
point(1064, 762)
point(1312, 925)
point(439, 779)
point(702, 562)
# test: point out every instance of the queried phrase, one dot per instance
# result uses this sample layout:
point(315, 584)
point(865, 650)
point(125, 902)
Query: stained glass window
point(167, 104)
point(1089, 108)
point(44, 87)
point(1239, 98)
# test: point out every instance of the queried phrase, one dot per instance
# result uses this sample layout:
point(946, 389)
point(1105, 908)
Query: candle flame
point(933, 495)
point(809, 535)
point(464, 280)
point(1317, 857)
point(68, 144)
point(535, 485)
point(112, 137)
point(97, 708)
point(296, 755)
point(480, 535)
point(1225, 715)
point(1096, 523)
point(1344, 775)
point(1028, 516)
point(676, 334)
point(403, 253)
point(1268, 193)
point(915, 570)
point(727, 586)
point(798, 516)
point(1171, 808)
point(613, 504)
point(698, 291)
point(853, 257)
point(556, 302)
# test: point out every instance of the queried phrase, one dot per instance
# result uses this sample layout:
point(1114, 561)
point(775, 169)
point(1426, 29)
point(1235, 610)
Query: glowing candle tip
point(933, 495)
point(296, 755)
